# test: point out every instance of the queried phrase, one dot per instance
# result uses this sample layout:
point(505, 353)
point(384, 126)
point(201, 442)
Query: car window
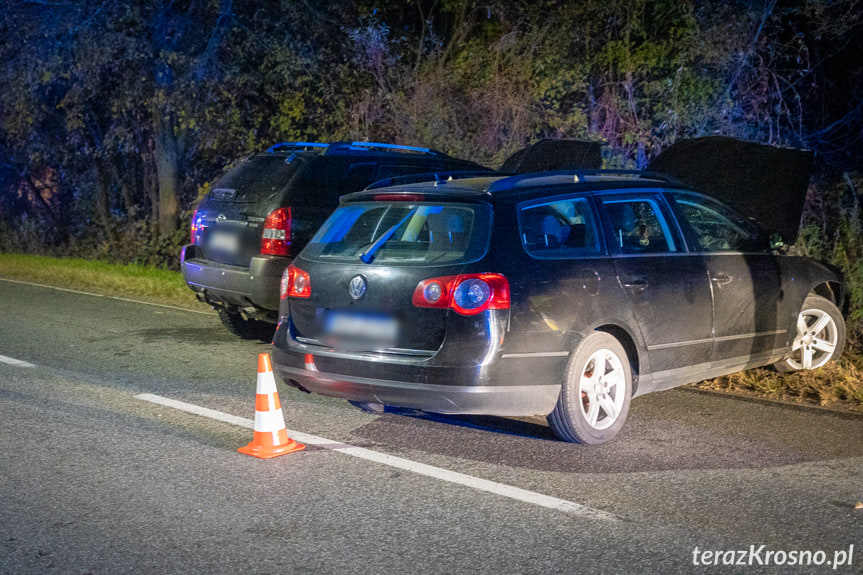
point(358, 177)
point(716, 227)
point(361, 175)
point(558, 230)
point(639, 226)
point(396, 170)
point(258, 177)
point(403, 233)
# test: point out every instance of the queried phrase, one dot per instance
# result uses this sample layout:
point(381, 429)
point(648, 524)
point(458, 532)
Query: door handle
point(721, 279)
point(636, 285)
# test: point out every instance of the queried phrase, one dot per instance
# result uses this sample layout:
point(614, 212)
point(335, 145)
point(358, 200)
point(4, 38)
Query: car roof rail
point(436, 177)
point(297, 147)
point(368, 146)
point(575, 176)
point(635, 174)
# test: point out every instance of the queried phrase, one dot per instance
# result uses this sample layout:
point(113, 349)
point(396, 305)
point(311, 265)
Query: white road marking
point(397, 462)
point(13, 361)
point(106, 296)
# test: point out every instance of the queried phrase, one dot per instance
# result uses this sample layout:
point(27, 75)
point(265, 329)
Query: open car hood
point(552, 155)
point(765, 183)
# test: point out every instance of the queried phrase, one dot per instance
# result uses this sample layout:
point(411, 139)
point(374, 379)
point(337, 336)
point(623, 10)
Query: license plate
point(362, 327)
point(222, 241)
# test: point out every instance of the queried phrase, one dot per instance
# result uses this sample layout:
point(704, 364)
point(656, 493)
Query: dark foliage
point(114, 114)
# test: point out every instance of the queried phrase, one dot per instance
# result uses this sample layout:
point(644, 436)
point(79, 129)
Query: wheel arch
point(832, 291)
point(622, 335)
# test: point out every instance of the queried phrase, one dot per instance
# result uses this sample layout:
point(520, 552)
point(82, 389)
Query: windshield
point(403, 233)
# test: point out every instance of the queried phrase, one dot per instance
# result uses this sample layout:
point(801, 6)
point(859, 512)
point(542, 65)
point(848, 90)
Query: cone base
point(265, 452)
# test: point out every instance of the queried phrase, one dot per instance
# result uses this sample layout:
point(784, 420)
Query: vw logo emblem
point(357, 287)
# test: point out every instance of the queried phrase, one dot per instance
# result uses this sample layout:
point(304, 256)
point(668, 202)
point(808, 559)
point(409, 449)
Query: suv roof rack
point(297, 147)
point(356, 146)
point(367, 146)
point(574, 176)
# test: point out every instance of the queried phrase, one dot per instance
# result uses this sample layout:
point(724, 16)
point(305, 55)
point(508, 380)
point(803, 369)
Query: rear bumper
point(254, 286)
point(504, 387)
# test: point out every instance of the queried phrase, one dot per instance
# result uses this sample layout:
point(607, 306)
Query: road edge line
point(15, 362)
point(128, 300)
point(439, 473)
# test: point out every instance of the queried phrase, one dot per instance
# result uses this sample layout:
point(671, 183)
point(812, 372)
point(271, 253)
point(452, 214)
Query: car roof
point(503, 187)
point(369, 152)
point(356, 148)
point(764, 183)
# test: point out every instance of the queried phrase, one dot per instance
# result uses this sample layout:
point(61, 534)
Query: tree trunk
point(103, 199)
point(168, 173)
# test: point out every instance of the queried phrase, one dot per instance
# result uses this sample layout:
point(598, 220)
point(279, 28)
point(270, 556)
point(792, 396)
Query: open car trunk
point(765, 183)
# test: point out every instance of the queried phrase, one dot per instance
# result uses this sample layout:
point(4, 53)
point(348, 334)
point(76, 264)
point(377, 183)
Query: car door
point(667, 287)
point(746, 278)
point(564, 283)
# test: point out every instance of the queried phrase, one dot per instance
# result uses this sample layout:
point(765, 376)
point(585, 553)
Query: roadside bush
point(832, 231)
point(126, 242)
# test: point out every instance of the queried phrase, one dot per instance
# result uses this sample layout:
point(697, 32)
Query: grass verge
point(838, 385)
point(146, 283)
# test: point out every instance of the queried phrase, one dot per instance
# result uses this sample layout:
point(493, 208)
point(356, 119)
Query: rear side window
point(403, 234)
point(362, 175)
point(258, 177)
point(358, 177)
point(396, 170)
point(558, 230)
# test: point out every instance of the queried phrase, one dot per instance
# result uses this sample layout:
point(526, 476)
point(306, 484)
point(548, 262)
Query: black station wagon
point(558, 294)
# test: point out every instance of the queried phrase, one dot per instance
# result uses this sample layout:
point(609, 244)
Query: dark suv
point(261, 213)
point(559, 294)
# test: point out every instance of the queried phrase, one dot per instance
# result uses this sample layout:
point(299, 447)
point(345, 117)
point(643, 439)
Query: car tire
point(819, 337)
point(592, 408)
point(246, 328)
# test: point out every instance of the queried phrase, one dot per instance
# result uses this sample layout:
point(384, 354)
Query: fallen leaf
point(859, 505)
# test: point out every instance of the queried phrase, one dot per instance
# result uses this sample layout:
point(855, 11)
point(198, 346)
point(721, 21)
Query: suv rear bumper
point(221, 284)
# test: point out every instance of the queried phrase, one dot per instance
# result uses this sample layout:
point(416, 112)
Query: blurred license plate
point(223, 242)
point(356, 326)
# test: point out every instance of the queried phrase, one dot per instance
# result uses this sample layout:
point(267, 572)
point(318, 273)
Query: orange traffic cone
point(310, 362)
point(271, 438)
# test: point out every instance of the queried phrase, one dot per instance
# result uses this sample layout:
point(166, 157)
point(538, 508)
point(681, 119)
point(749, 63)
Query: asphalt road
point(97, 480)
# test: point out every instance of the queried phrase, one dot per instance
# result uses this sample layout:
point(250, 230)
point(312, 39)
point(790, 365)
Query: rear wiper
point(369, 254)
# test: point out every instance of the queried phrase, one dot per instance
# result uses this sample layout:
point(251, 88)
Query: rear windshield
point(403, 234)
point(258, 177)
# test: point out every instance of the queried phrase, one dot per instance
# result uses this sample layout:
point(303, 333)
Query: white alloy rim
point(815, 341)
point(602, 389)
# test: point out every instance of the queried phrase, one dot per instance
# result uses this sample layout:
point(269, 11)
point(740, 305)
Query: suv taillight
point(295, 283)
point(197, 226)
point(466, 294)
point(276, 240)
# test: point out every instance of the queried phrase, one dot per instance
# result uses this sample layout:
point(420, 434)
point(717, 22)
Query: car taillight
point(467, 294)
point(197, 226)
point(276, 240)
point(295, 283)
